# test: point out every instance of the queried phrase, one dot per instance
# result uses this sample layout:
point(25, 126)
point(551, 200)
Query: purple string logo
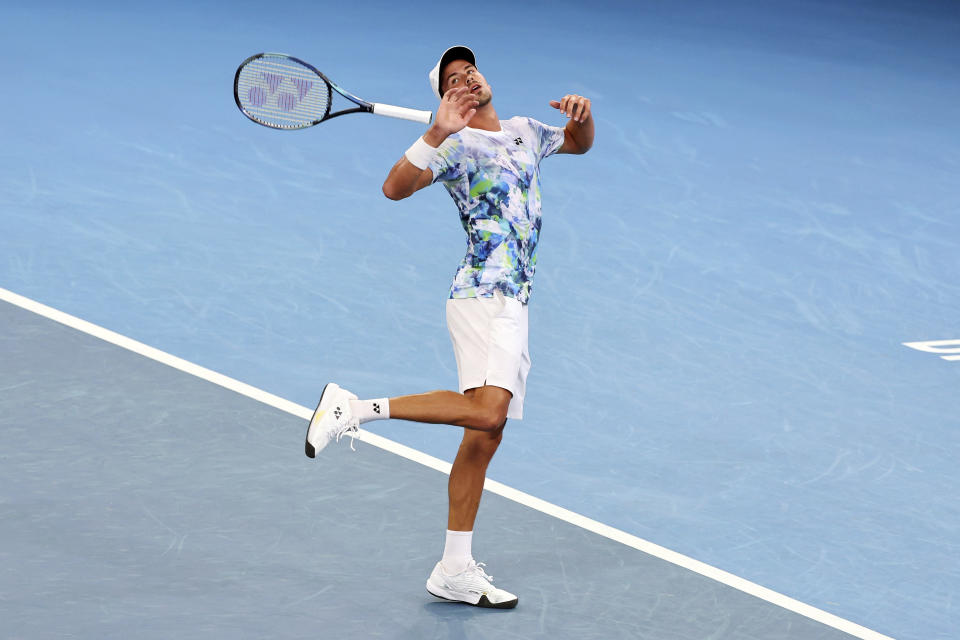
point(257, 96)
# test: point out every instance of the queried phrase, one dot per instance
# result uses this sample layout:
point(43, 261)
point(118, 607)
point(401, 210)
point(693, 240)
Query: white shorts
point(489, 338)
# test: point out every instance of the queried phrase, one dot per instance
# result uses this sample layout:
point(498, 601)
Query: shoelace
point(352, 429)
point(478, 567)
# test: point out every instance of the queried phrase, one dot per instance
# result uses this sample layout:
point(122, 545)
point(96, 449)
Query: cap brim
point(458, 52)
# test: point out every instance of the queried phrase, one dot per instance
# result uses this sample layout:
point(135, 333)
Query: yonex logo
point(946, 349)
point(518, 140)
point(376, 408)
point(337, 413)
point(270, 83)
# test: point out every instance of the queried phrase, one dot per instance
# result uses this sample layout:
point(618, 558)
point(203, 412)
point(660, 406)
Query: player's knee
point(391, 192)
point(490, 420)
point(481, 443)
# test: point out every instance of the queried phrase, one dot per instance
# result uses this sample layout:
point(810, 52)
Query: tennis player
point(491, 169)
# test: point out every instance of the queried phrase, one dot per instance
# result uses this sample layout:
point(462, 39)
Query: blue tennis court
point(725, 286)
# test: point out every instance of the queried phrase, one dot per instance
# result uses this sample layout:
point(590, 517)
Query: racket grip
point(402, 112)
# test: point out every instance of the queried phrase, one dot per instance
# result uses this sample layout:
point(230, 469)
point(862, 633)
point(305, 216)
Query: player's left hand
point(573, 106)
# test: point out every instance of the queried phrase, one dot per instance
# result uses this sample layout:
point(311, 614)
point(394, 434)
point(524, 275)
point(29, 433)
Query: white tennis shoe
point(472, 585)
point(332, 420)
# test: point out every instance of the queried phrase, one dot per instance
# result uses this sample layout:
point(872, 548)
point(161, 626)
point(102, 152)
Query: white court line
point(435, 463)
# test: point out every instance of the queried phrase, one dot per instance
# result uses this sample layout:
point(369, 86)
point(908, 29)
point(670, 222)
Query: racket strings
point(281, 93)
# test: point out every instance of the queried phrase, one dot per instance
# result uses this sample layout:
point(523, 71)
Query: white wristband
point(420, 154)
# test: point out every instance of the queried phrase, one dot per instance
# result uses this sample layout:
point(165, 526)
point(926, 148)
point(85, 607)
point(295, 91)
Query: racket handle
point(402, 112)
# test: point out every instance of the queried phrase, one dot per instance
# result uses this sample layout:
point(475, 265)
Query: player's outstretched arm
point(456, 108)
point(578, 134)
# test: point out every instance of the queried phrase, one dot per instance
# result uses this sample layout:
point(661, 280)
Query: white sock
point(367, 410)
point(456, 552)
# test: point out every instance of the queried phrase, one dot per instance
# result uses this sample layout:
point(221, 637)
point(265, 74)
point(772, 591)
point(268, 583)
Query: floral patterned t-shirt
point(494, 178)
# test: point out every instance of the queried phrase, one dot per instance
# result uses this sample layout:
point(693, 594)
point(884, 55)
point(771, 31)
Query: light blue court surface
point(725, 281)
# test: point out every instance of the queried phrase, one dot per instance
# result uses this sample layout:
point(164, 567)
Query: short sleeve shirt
point(494, 179)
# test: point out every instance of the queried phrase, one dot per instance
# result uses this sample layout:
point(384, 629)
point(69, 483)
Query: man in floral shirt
point(491, 169)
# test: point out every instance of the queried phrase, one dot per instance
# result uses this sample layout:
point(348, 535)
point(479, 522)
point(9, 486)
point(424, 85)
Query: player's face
point(461, 73)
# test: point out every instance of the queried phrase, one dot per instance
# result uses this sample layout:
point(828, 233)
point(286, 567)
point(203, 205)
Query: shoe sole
point(483, 602)
point(308, 448)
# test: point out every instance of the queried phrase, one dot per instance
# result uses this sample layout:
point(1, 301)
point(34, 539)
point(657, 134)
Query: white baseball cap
point(458, 52)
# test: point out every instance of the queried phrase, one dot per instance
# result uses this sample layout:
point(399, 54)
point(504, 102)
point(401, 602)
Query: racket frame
point(362, 105)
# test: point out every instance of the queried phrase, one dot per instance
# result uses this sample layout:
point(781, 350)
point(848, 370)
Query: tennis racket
point(283, 92)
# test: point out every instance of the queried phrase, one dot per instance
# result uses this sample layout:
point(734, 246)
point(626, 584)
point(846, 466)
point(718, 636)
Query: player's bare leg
point(484, 408)
point(465, 486)
point(339, 412)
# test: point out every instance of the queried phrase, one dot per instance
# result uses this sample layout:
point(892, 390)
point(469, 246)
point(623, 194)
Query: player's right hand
point(456, 109)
